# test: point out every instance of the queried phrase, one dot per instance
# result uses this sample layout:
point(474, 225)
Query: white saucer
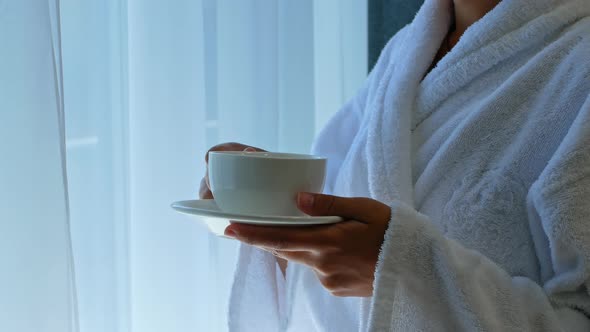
point(218, 220)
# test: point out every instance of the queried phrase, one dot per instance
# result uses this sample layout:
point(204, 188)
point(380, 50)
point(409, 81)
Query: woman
point(470, 143)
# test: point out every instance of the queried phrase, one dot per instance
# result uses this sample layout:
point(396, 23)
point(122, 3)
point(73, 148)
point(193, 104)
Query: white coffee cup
point(263, 183)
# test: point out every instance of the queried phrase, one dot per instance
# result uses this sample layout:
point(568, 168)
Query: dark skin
point(342, 255)
point(465, 13)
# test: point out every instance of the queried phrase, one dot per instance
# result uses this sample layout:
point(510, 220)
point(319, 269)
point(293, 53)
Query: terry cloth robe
point(485, 162)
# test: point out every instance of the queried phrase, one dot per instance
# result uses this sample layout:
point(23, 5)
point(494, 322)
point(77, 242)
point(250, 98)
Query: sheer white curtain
point(147, 87)
point(36, 280)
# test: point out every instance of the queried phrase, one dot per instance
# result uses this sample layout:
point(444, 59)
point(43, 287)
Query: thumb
point(360, 209)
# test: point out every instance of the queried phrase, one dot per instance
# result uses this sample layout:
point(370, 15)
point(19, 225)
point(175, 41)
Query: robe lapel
point(389, 144)
point(487, 43)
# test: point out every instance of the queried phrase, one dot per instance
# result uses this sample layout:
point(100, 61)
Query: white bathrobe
point(485, 162)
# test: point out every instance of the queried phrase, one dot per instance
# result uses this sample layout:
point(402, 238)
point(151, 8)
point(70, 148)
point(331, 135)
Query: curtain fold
point(94, 40)
point(130, 94)
point(35, 249)
point(170, 254)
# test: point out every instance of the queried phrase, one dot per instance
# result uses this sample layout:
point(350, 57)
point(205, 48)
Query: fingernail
point(305, 200)
point(249, 149)
point(230, 233)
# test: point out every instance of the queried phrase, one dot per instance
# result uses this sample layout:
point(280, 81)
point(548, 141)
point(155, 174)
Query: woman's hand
point(205, 189)
point(343, 255)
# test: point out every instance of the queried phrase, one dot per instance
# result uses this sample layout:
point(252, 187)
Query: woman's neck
point(467, 12)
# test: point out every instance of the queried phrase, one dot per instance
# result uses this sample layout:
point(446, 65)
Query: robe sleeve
point(425, 281)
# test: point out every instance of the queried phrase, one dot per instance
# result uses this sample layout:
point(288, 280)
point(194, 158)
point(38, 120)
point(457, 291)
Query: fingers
point(340, 285)
point(337, 283)
point(205, 187)
point(204, 191)
point(232, 146)
point(301, 257)
point(361, 209)
point(319, 263)
point(310, 238)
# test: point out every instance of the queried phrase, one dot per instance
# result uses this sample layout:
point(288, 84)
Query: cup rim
point(268, 155)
